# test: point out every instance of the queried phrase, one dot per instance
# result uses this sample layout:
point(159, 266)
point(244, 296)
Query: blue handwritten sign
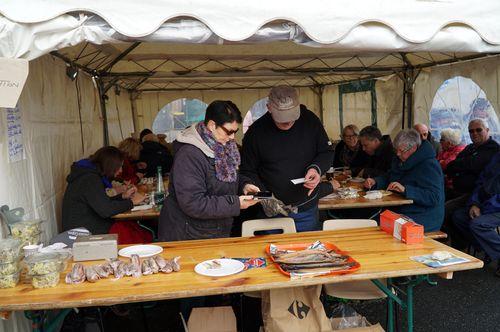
point(14, 135)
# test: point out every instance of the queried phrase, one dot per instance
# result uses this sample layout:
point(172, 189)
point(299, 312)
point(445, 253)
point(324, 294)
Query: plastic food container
point(44, 263)
point(9, 268)
point(46, 280)
point(9, 281)
point(10, 250)
point(27, 231)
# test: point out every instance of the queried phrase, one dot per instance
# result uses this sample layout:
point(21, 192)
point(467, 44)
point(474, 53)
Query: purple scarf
point(227, 157)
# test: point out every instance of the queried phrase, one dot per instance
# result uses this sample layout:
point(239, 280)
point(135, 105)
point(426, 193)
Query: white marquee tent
point(157, 51)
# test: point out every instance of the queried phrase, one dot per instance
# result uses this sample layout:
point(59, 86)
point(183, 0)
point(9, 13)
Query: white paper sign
point(14, 134)
point(13, 74)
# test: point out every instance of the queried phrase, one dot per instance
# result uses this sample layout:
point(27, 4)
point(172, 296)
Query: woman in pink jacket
point(450, 147)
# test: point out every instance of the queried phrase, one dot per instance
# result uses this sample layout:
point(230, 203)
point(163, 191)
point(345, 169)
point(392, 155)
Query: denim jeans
point(306, 221)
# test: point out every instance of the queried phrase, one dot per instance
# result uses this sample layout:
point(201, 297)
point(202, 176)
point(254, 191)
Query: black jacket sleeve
point(324, 156)
point(250, 162)
point(467, 162)
point(95, 195)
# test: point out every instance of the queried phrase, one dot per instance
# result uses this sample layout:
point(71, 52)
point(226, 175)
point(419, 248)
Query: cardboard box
point(212, 319)
point(401, 227)
point(95, 247)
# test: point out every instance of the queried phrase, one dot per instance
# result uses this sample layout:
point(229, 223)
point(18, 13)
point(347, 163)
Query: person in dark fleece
point(85, 202)
point(286, 143)
point(380, 150)
point(417, 175)
point(154, 154)
point(479, 220)
point(464, 172)
point(204, 182)
point(348, 152)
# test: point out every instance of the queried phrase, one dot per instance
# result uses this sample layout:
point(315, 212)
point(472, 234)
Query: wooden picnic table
point(380, 256)
point(361, 202)
point(142, 214)
point(324, 204)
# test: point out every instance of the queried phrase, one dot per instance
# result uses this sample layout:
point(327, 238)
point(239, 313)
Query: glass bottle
point(159, 194)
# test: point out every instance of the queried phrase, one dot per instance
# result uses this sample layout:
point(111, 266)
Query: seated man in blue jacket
point(417, 175)
point(478, 221)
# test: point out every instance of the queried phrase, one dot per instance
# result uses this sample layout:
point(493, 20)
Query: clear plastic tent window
point(177, 115)
point(458, 101)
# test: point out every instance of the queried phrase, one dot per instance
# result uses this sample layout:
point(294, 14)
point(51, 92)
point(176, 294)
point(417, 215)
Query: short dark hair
point(371, 133)
point(222, 111)
point(108, 160)
point(143, 133)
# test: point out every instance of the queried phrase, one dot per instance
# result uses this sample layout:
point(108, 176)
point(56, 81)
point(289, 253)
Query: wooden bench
point(438, 235)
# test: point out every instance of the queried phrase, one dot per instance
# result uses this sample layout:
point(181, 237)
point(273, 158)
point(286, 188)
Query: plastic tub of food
point(10, 250)
point(27, 231)
point(9, 268)
point(45, 280)
point(43, 263)
point(9, 281)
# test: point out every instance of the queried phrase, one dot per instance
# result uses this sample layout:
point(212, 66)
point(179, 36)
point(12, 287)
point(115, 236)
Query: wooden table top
point(379, 254)
point(142, 214)
point(361, 202)
point(324, 204)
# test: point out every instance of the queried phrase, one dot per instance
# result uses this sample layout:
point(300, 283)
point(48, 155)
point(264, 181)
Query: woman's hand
point(137, 198)
point(369, 183)
point(129, 192)
point(246, 201)
point(335, 184)
point(139, 175)
point(397, 187)
point(250, 188)
point(120, 189)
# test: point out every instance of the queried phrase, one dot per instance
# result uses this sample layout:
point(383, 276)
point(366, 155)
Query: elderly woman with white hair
point(416, 175)
point(451, 146)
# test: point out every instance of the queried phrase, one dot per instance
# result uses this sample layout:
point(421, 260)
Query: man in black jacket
point(464, 172)
point(288, 142)
point(426, 135)
point(380, 150)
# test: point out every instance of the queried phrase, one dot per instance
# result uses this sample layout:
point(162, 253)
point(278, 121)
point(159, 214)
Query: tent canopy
point(207, 45)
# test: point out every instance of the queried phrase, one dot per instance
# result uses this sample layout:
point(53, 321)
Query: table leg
point(38, 323)
point(406, 304)
point(390, 308)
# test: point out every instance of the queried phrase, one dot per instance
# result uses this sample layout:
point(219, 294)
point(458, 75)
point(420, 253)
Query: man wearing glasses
point(464, 172)
point(287, 143)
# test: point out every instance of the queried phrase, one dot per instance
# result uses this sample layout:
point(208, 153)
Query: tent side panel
point(148, 104)
point(485, 73)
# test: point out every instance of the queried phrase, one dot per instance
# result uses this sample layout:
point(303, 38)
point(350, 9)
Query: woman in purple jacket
point(204, 181)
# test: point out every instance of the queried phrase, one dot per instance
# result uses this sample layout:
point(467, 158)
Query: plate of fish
point(219, 267)
point(311, 259)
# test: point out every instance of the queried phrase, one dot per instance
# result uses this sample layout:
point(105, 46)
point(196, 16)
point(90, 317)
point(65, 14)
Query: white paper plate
point(358, 180)
point(142, 207)
point(227, 267)
point(142, 250)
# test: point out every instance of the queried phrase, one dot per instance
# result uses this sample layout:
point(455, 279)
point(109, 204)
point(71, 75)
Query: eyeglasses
point(348, 136)
point(403, 150)
point(229, 132)
point(477, 130)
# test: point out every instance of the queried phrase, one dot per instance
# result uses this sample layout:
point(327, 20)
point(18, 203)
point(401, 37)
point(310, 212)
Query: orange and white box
point(401, 227)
